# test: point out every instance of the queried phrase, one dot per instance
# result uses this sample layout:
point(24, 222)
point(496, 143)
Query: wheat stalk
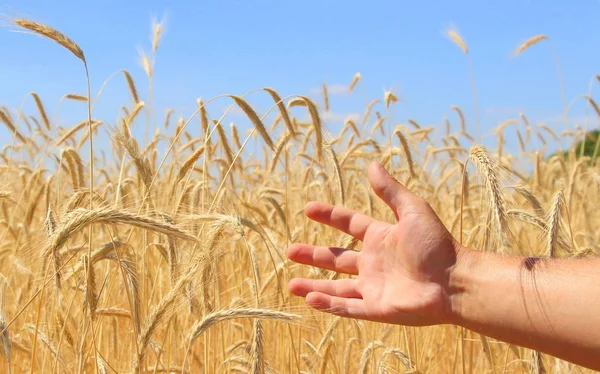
point(81, 218)
point(593, 104)
point(364, 358)
point(223, 315)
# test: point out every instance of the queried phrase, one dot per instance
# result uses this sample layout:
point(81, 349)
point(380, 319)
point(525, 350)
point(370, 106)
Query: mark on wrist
point(529, 262)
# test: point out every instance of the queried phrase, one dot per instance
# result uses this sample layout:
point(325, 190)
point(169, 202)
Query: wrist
point(460, 282)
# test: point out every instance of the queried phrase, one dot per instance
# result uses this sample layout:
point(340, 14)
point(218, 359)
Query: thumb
point(387, 188)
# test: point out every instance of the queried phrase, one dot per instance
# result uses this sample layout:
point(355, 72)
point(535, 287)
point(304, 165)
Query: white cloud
point(234, 111)
point(503, 111)
point(340, 117)
point(332, 89)
point(589, 121)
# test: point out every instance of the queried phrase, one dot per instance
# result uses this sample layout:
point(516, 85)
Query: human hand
point(402, 273)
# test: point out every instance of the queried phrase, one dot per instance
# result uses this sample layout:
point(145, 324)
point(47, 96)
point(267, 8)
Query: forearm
point(549, 305)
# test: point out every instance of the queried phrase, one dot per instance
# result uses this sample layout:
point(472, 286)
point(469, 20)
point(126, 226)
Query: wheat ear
point(255, 119)
point(282, 110)
point(364, 358)
point(354, 81)
point(529, 43)
point(406, 149)
point(52, 34)
point(81, 218)
point(40, 107)
point(131, 86)
point(458, 40)
point(492, 182)
point(554, 224)
point(9, 124)
point(223, 315)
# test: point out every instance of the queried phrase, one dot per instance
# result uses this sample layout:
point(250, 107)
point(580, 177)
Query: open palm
point(403, 270)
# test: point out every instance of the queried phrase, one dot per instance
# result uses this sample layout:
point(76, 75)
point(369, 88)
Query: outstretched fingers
point(343, 219)
point(341, 287)
point(339, 306)
point(330, 258)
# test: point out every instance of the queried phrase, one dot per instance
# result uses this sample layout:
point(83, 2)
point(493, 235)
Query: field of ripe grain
point(168, 256)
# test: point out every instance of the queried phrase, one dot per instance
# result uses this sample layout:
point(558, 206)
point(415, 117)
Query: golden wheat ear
point(355, 80)
point(52, 34)
point(529, 43)
point(458, 40)
point(489, 172)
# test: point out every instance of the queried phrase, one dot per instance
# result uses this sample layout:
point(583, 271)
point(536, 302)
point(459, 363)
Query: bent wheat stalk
point(81, 218)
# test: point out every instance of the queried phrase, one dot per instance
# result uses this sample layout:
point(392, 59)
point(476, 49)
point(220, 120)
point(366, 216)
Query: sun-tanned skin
point(415, 273)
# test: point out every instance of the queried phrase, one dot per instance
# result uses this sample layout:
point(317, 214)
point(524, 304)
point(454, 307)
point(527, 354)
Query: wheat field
point(168, 256)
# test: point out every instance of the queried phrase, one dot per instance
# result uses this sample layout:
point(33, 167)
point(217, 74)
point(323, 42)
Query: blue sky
point(216, 47)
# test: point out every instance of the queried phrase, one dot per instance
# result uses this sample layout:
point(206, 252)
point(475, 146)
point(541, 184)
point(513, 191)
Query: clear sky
point(216, 47)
